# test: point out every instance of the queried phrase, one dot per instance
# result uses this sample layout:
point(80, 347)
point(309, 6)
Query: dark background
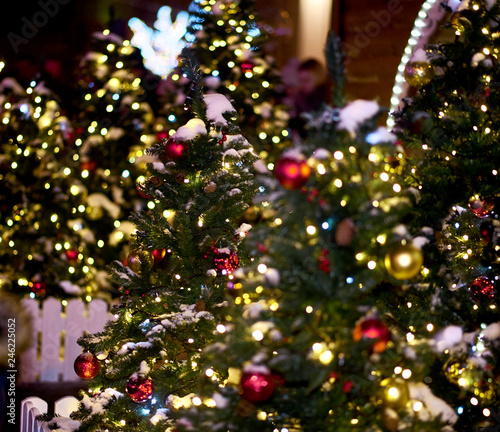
point(65, 37)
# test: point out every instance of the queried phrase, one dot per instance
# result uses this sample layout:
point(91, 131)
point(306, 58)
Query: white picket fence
point(34, 406)
point(53, 350)
point(56, 329)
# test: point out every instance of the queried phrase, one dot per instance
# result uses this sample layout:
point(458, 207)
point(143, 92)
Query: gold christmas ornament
point(459, 22)
point(390, 419)
point(394, 393)
point(469, 377)
point(455, 370)
point(137, 258)
point(210, 188)
point(418, 73)
point(404, 261)
point(94, 213)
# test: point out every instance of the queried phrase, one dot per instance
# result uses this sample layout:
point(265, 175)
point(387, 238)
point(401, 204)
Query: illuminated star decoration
point(160, 46)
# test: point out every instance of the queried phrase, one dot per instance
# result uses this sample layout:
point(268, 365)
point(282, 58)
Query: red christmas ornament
point(141, 192)
point(487, 230)
point(90, 166)
point(482, 207)
point(372, 328)
point(347, 387)
point(323, 261)
point(261, 247)
point(174, 150)
point(292, 173)
point(257, 387)
point(38, 288)
point(162, 135)
point(225, 262)
point(312, 195)
point(139, 389)
point(158, 254)
point(482, 288)
point(247, 66)
point(71, 255)
point(87, 366)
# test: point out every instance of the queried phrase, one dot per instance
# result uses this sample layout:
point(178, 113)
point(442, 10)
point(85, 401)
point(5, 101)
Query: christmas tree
point(313, 342)
point(185, 247)
point(449, 125)
point(228, 38)
point(42, 251)
point(114, 123)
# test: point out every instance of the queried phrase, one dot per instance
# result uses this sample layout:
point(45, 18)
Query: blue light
point(24, 108)
point(460, 410)
point(116, 96)
point(215, 73)
point(254, 32)
point(325, 225)
point(373, 138)
point(32, 83)
point(145, 411)
point(91, 84)
point(262, 189)
point(171, 118)
point(153, 401)
point(125, 173)
point(457, 225)
point(349, 280)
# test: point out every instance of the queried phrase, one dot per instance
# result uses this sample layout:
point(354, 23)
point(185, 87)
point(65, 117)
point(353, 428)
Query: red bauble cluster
point(292, 173)
point(175, 150)
point(139, 389)
point(39, 288)
point(257, 386)
point(247, 66)
point(482, 288)
point(71, 255)
point(87, 366)
point(225, 262)
point(324, 261)
point(372, 328)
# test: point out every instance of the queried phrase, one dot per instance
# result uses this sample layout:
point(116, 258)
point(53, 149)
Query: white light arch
point(429, 15)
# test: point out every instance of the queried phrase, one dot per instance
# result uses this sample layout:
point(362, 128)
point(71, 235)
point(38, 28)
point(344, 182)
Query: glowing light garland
point(160, 46)
point(429, 15)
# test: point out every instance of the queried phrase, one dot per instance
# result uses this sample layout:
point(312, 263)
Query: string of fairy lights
point(424, 25)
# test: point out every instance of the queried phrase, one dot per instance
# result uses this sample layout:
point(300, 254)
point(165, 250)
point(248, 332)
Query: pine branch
point(335, 63)
point(192, 70)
